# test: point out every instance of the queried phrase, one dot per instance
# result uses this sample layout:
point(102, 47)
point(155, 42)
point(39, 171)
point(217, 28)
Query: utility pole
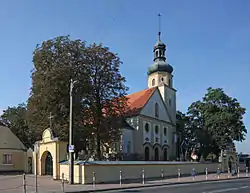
point(71, 146)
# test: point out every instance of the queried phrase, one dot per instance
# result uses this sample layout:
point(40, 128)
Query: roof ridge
point(142, 91)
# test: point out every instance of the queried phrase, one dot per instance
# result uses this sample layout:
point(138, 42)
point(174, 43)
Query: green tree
point(188, 139)
point(106, 100)
point(56, 61)
point(218, 120)
point(16, 119)
point(98, 97)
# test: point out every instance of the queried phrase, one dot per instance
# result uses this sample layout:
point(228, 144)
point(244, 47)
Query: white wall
point(149, 108)
point(169, 94)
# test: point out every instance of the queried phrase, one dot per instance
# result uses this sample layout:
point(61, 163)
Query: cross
point(50, 120)
point(159, 26)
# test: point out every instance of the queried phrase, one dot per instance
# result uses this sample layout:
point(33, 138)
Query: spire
point(159, 48)
point(160, 61)
point(159, 27)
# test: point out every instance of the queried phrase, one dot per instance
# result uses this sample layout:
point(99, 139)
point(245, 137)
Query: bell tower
point(160, 75)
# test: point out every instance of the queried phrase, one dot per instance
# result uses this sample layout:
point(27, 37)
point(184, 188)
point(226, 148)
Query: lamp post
point(71, 146)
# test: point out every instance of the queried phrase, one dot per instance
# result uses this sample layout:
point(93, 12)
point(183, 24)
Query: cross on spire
point(159, 27)
point(50, 120)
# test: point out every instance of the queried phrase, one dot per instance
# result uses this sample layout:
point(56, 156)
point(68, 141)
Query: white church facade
point(150, 133)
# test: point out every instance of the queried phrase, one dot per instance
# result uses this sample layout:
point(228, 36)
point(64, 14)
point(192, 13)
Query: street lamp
point(71, 146)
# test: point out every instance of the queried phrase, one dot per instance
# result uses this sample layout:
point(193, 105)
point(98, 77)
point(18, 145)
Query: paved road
point(232, 186)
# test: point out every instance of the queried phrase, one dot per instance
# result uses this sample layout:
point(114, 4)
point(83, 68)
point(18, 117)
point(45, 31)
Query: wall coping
point(81, 162)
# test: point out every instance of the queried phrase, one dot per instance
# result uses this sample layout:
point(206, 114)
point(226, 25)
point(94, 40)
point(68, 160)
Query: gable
point(8, 140)
point(149, 109)
point(138, 100)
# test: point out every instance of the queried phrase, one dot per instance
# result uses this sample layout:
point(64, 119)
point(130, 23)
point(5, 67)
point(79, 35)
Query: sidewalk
point(106, 187)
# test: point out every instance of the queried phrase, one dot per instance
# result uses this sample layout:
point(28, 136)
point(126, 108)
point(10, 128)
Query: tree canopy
point(16, 119)
point(98, 82)
point(216, 122)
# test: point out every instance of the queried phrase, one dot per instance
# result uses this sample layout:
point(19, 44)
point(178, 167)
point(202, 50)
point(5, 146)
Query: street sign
point(71, 148)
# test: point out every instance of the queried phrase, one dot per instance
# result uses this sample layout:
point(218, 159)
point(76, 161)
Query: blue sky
point(208, 42)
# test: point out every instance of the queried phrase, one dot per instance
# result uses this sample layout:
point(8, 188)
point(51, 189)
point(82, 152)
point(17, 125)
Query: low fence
point(108, 172)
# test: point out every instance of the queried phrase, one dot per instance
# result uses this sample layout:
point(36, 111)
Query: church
point(150, 131)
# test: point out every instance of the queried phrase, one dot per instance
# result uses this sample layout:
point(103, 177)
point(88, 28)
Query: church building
point(150, 133)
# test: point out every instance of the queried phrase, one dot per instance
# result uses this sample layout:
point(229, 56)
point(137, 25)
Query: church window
point(160, 54)
point(156, 110)
point(147, 127)
point(165, 131)
point(7, 158)
point(156, 129)
point(153, 82)
point(162, 79)
point(156, 53)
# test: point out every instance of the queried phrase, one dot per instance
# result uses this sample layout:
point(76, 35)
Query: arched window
point(165, 131)
point(153, 82)
point(147, 127)
point(156, 129)
point(156, 110)
point(156, 54)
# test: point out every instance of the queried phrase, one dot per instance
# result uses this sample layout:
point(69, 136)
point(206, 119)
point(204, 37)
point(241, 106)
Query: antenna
point(159, 27)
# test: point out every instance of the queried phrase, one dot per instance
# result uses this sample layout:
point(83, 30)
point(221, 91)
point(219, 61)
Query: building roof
point(138, 100)
point(8, 140)
point(135, 103)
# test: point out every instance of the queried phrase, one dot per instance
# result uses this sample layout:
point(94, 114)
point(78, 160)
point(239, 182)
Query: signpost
point(71, 148)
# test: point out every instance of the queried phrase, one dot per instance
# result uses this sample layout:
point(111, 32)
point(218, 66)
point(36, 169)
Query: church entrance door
point(146, 153)
point(156, 154)
point(165, 154)
point(47, 163)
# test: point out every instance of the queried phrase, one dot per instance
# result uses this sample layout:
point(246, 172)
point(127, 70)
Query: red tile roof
point(137, 100)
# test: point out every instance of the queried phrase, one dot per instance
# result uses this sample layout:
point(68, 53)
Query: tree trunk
point(98, 147)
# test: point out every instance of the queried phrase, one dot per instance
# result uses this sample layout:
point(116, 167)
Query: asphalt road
point(228, 186)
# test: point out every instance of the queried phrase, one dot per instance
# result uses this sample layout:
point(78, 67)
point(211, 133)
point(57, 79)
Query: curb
point(158, 185)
